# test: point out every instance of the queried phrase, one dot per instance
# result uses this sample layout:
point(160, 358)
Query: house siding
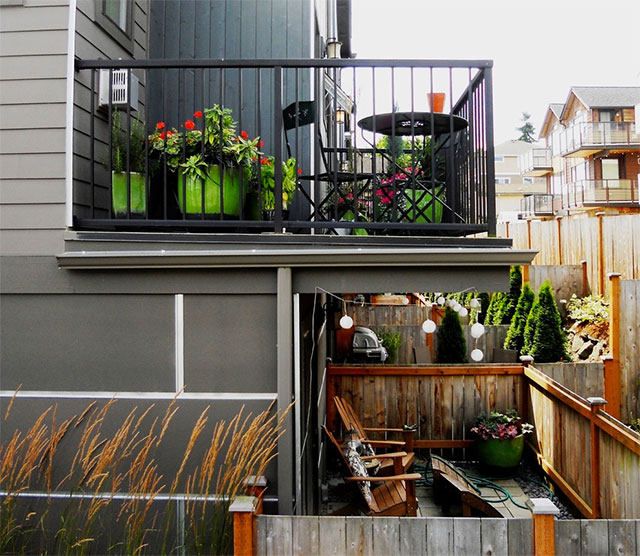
point(33, 45)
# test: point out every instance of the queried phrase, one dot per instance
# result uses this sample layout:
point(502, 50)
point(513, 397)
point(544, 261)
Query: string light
point(429, 326)
point(477, 355)
point(477, 330)
point(346, 322)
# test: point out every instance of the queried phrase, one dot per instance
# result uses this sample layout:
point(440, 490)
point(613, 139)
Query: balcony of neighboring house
point(595, 193)
point(536, 162)
point(537, 205)
point(308, 147)
point(587, 138)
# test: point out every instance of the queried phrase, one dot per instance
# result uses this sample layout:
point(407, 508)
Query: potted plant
point(264, 181)
point(127, 153)
point(225, 158)
point(500, 438)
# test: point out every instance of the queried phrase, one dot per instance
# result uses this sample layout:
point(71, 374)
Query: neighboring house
point(591, 159)
point(141, 307)
point(511, 185)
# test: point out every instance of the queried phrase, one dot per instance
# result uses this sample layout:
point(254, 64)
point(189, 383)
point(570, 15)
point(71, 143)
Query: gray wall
point(33, 48)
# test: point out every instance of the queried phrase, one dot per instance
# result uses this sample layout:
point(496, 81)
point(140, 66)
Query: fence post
point(595, 403)
point(600, 254)
point(528, 234)
point(612, 363)
point(525, 274)
point(244, 510)
point(544, 526)
point(255, 485)
point(559, 221)
point(585, 278)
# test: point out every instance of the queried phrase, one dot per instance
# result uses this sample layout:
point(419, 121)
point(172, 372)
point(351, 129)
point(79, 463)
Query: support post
point(585, 278)
point(525, 274)
point(544, 526)
point(600, 254)
point(612, 364)
point(559, 221)
point(244, 510)
point(255, 486)
point(526, 360)
point(284, 338)
point(595, 403)
point(528, 234)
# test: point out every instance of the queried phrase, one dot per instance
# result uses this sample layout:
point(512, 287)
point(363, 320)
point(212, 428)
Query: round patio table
point(412, 123)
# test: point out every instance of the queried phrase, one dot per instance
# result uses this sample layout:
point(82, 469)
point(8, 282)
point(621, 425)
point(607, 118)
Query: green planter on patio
point(500, 453)
point(420, 204)
point(232, 182)
point(138, 198)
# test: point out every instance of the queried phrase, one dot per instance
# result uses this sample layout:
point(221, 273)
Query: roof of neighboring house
point(557, 109)
point(607, 97)
point(514, 147)
point(553, 111)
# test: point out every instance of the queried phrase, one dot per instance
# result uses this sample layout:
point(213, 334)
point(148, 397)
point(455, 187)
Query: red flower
point(169, 133)
point(160, 125)
point(299, 170)
point(244, 135)
point(261, 144)
point(265, 161)
point(189, 124)
point(161, 136)
point(197, 114)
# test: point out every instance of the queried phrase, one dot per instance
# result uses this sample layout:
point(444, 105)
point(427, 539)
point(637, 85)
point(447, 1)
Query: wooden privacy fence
point(463, 536)
point(628, 348)
point(565, 280)
point(584, 379)
point(442, 400)
point(594, 458)
point(609, 243)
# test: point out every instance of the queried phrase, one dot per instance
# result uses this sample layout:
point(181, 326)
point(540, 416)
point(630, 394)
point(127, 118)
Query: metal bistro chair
point(303, 113)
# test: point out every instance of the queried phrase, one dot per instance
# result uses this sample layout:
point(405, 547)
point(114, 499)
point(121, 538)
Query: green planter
point(138, 198)
point(231, 185)
point(420, 203)
point(500, 453)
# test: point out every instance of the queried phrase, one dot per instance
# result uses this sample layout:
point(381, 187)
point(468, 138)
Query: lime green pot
point(420, 205)
point(232, 183)
point(138, 199)
point(500, 453)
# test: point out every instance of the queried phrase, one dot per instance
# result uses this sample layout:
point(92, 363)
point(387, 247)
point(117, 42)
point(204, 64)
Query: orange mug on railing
point(436, 101)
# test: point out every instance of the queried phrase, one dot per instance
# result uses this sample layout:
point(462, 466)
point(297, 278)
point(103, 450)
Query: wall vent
point(119, 89)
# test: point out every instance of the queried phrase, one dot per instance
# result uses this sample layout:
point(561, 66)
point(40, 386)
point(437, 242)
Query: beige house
point(511, 185)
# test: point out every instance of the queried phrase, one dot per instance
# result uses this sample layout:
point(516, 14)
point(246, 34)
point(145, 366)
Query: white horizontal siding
point(34, 43)
point(32, 116)
point(32, 166)
point(33, 67)
point(32, 217)
point(32, 17)
point(14, 141)
point(23, 191)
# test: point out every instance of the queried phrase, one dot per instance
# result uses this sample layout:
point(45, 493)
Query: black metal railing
point(306, 146)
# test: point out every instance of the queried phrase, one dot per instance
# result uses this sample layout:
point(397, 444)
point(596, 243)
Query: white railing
point(599, 134)
point(535, 159)
point(600, 192)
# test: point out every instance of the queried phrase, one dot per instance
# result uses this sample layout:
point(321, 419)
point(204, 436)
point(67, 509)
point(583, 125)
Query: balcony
point(536, 162)
point(585, 139)
point(597, 193)
point(308, 167)
point(537, 205)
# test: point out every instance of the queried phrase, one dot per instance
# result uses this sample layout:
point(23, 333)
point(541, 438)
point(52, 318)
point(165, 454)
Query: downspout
point(332, 20)
point(68, 140)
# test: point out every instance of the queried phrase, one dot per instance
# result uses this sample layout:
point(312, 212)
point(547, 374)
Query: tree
point(494, 307)
point(485, 301)
point(452, 347)
point(515, 334)
point(506, 310)
point(545, 339)
point(527, 131)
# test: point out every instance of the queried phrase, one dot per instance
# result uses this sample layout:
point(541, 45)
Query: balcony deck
point(346, 181)
point(536, 163)
point(588, 138)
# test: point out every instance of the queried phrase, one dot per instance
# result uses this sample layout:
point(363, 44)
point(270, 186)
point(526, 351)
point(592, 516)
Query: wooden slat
point(594, 537)
point(494, 536)
point(466, 535)
point(520, 536)
point(306, 535)
point(332, 531)
point(622, 537)
point(568, 537)
point(278, 535)
point(440, 535)
point(386, 535)
point(390, 370)
point(413, 535)
point(359, 536)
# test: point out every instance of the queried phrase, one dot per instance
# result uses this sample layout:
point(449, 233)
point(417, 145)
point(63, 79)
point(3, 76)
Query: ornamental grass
point(91, 483)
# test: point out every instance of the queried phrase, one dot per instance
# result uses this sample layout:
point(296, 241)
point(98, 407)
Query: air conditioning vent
point(119, 89)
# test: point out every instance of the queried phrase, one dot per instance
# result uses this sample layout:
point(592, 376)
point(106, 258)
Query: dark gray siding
point(94, 42)
point(33, 47)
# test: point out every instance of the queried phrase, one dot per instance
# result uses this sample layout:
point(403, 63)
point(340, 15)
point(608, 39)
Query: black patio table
point(412, 123)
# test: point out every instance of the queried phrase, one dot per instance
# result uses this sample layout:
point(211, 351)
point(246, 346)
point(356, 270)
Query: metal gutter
point(275, 258)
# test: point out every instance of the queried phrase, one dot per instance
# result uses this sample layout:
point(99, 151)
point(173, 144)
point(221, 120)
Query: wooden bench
point(395, 496)
point(447, 476)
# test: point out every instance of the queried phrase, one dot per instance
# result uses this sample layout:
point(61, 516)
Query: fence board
point(413, 536)
point(630, 348)
point(440, 535)
point(585, 379)
point(565, 280)
point(275, 536)
point(359, 536)
point(306, 535)
point(622, 537)
point(332, 531)
point(386, 535)
point(520, 536)
point(567, 536)
point(594, 535)
point(494, 536)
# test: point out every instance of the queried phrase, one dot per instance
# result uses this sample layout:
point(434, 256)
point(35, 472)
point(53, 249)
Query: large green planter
point(500, 453)
point(420, 204)
point(138, 198)
point(231, 185)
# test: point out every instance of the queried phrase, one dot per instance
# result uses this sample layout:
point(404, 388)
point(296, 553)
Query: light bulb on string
point(477, 355)
point(474, 303)
point(440, 301)
point(477, 330)
point(463, 312)
point(429, 326)
point(346, 322)
point(456, 307)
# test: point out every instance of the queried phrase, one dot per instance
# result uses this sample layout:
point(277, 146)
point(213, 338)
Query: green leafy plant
point(264, 177)
point(123, 142)
point(505, 312)
point(390, 340)
point(452, 347)
point(593, 308)
point(195, 167)
point(493, 311)
point(634, 424)
point(515, 334)
point(544, 338)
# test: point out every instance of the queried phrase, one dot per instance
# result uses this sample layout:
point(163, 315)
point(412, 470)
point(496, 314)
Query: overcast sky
point(540, 49)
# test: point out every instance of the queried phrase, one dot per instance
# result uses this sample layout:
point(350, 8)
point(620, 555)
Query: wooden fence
point(438, 535)
point(442, 400)
point(584, 379)
point(565, 280)
point(608, 244)
point(629, 348)
point(594, 458)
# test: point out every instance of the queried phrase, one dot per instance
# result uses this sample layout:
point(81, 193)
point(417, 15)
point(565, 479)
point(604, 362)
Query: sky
point(540, 49)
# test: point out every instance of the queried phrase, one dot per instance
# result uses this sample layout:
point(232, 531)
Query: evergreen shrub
point(452, 347)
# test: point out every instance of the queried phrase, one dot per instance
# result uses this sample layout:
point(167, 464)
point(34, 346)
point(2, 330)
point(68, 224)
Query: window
point(606, 115)
point(503, 181)
point(528, 181)
point(499, 158)
point(116, 18)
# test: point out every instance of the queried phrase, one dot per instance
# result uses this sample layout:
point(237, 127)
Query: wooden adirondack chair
point(394, 496)
point(351, 421)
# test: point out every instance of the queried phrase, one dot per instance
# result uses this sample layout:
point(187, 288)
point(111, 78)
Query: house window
point(116, 18)
point(503, 181)
point(606, 115)
point(499, 158)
